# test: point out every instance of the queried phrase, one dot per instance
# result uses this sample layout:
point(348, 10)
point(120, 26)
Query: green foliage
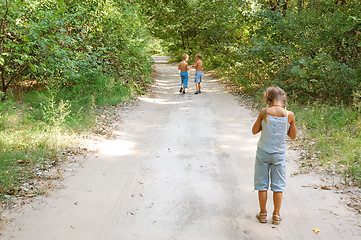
point(61, 42)
point(55, 114)
point(27, 144)
point(15, 51)
point(305, 53)
point(156, 47)
point(310, 48)
point(357, 101)
point(73, 56)
point(335, 133)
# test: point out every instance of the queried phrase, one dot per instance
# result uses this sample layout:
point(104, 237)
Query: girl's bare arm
point(257, 126)
point(292, 132)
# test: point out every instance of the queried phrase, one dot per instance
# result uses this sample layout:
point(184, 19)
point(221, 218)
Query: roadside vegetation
point(310, 48)
point(59, 62)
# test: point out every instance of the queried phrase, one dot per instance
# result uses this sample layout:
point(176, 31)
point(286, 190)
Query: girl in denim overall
point(275, 123)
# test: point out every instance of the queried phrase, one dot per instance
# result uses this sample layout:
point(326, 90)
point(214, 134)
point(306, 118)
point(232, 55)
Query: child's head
point(273, 94)
point(185, 56)
point(199, 56)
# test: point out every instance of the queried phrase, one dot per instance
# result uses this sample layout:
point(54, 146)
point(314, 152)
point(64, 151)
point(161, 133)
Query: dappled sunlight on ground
point(117, 147)
point(158, 101)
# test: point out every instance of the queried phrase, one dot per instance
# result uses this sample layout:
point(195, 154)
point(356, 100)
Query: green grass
point(334, 134)
point(38, 130)
point(27, 143)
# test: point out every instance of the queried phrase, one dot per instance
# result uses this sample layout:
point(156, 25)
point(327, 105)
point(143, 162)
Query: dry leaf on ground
point(316, 230)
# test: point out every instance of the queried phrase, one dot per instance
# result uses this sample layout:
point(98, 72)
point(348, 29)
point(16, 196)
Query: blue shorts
point(198, 77)
point(184, 79)
point(270, 166)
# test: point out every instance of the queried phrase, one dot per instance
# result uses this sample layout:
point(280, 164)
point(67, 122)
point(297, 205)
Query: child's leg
point(197, 79)
point(261, 179)
point(200, 80)
point(277, 201)
point(181, 88)
point(262, 198)
point(185, 83)
point(278, 182)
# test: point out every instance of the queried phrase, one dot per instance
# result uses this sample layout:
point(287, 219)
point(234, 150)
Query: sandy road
point(180, 168)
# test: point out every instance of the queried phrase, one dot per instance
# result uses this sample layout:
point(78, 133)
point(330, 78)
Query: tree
point(59, 42)
point(15, 57)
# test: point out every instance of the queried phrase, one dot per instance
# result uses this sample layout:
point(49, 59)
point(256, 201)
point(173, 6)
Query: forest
point(61, 61)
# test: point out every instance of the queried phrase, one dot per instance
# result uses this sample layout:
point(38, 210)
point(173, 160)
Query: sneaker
point(196, 92)
point(181, 89)
point(184, 92)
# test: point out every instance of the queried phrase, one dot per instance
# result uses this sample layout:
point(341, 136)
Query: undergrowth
point(38, 130)
point(333, 135)
point(30, 138)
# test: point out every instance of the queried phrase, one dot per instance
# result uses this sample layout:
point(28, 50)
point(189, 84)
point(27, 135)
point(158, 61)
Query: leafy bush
point(60, 42)
point(72, 56)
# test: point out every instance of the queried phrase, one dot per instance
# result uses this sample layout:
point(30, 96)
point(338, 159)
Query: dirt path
point(180, 168)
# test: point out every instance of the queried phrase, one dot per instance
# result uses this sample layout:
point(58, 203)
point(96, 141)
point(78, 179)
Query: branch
point(3, 78)
point(4, 17)
point(16, 75)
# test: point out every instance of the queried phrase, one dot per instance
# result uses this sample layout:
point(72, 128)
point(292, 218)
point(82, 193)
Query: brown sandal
point(261, 220)
point(276, 222)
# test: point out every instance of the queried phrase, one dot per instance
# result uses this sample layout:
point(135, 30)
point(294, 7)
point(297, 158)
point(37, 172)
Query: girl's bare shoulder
point(262, 113)
point(277, 112)
point(291, 116)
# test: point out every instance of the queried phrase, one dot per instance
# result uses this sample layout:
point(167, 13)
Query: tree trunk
point(183, 43)
point(284, 7)
point(274, 4)
point(342, 2)
point(300, 5)
point(3, 83)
